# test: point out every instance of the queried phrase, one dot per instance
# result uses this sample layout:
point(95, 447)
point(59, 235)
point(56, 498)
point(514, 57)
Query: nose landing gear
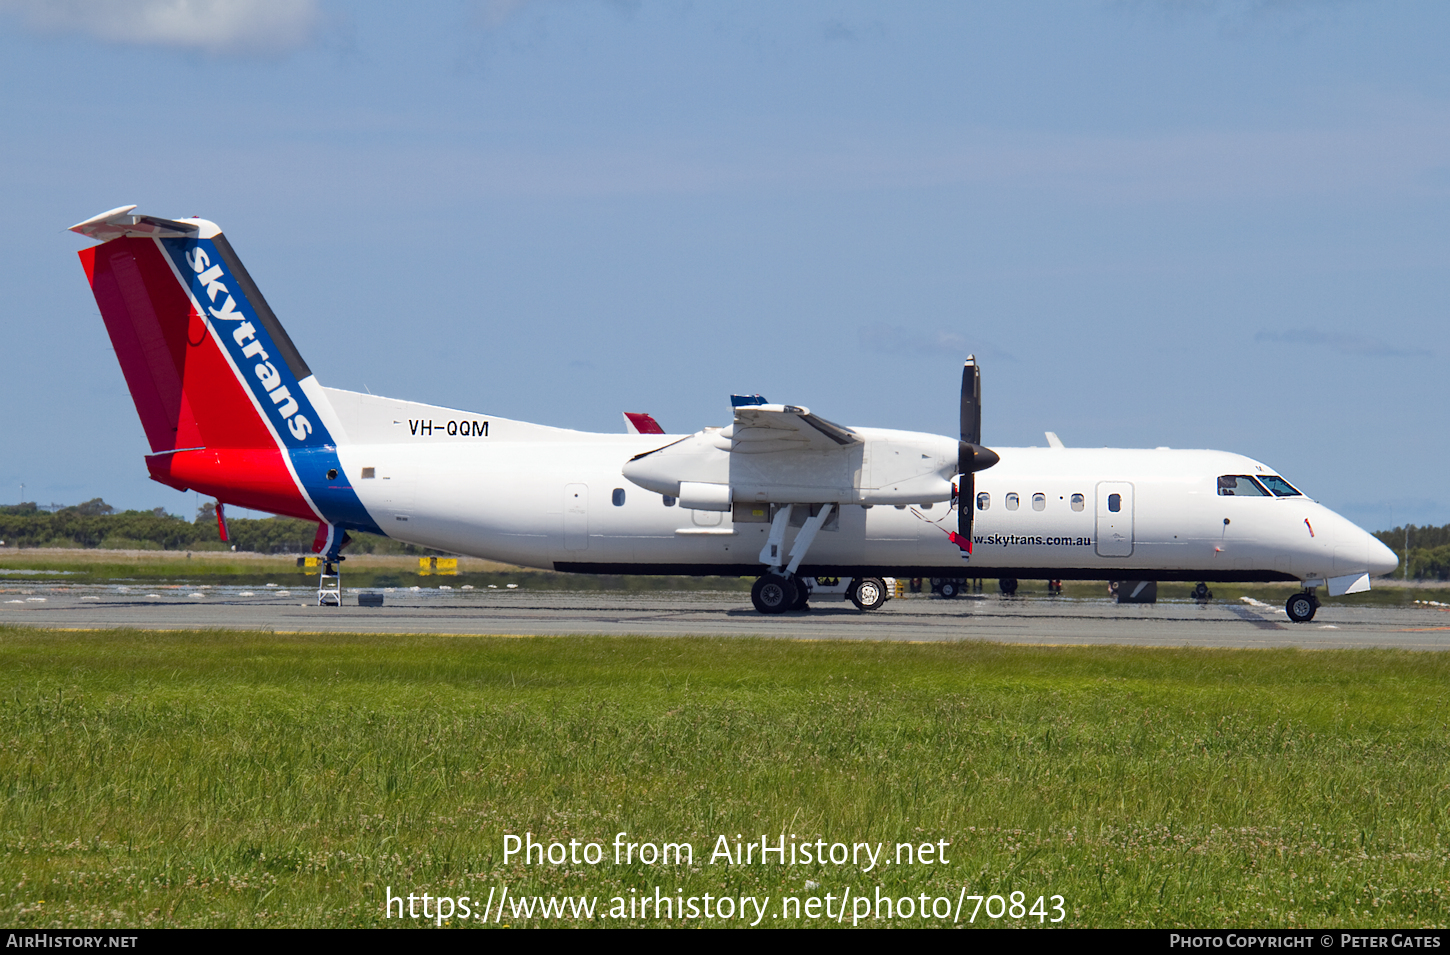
point(1301, 606)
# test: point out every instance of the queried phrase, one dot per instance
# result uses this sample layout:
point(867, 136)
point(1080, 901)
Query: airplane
point(231, 410)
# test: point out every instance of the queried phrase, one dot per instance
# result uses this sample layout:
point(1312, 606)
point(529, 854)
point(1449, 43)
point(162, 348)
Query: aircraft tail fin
point(640, 423)
point(228, 405)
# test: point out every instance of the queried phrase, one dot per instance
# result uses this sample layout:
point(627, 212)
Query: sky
point(1155, 222)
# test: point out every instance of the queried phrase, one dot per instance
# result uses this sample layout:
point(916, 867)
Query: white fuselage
point(551, 498)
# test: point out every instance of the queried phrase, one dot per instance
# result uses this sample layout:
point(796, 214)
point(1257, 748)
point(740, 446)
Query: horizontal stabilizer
point(120, 221)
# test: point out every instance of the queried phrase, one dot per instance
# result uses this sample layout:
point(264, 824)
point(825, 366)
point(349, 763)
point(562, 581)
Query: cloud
point(212, 26)
point(1357, 345)
point(900, 340)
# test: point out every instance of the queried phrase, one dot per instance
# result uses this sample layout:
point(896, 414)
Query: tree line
point(96, 524)
point(1429, 550)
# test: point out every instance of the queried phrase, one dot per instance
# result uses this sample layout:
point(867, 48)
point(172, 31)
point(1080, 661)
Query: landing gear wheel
point(1201, 592)
point(802, 594)
point(773, 593)
point(1301, 607)
point(869, 593)
point(1008, 585)
point(948, 589)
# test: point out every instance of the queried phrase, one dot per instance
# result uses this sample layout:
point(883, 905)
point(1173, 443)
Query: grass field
point(224, 778)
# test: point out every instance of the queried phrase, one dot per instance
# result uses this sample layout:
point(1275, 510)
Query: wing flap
point(765, 429)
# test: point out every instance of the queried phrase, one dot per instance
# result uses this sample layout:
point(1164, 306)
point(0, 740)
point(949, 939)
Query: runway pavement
point(1033, 620)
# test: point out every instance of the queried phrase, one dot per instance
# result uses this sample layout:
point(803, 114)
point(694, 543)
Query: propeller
point(971, 456)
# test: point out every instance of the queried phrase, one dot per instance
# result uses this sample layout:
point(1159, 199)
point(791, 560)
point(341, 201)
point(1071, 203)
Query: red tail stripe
point(186, 392)
point(245, 477)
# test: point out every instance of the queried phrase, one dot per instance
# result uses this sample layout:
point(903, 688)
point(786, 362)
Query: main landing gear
point(777, 593)
point(1301, 606)
point(779, 589)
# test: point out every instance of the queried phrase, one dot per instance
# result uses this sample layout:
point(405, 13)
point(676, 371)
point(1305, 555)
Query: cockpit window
point(1279, 486)
point(1240, 485)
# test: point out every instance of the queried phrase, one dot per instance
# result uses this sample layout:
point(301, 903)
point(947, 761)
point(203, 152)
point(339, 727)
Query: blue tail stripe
point(245, 336)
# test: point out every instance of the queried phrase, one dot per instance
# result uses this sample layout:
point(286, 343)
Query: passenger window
point(1278, 485)
point(669, 501)
point(1240, 485)
point(1115, 502)
point(984, 501)
point(1077, 502)
point(1012, 501)
point(619, 497)
point(1039, 501)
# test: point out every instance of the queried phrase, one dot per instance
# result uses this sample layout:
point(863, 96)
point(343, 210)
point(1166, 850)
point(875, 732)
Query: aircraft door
point(398, 493)
point(576, 517)
point(1115, 519)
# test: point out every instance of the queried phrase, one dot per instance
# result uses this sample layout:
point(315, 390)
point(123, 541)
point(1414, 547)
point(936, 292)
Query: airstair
point(329, 584)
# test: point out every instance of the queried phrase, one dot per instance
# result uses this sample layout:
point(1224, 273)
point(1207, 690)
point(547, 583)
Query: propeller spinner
point(971, 456)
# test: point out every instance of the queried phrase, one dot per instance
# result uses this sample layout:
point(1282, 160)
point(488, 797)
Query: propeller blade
point(971, 417)
point(966, 500)
point(971, 456)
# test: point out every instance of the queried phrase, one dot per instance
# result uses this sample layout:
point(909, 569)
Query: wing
point(767, 429)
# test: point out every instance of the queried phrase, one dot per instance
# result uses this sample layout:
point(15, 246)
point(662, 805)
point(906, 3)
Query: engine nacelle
point(712, 469)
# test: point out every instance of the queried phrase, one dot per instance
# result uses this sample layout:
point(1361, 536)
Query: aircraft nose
point(1382, 560)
